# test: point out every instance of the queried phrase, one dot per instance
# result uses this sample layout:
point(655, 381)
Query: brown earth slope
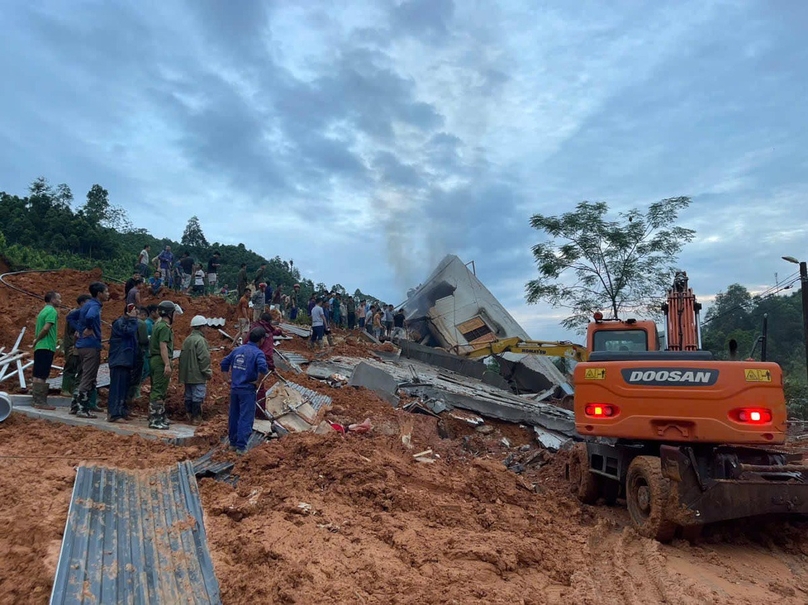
point(355, 519)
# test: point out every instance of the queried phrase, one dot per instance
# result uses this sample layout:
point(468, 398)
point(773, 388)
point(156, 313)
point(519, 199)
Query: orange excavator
point(686, 439)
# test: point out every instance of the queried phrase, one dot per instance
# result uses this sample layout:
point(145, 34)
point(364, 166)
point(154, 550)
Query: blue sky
point(366, 140)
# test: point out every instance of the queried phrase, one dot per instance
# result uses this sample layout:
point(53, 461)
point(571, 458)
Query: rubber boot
point(39, 396)
point(74, 404)
point(84, 406)
point(93, 402)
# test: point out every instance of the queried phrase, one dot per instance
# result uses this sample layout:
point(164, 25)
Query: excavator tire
point(582, 483)
point(647, 497)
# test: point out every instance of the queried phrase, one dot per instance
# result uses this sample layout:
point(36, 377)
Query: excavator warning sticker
point(595, 374)
point(754, 375)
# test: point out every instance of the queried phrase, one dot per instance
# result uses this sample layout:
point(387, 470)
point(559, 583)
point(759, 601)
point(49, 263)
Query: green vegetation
point(617, 266)
point(46, 230)
point(737, 315)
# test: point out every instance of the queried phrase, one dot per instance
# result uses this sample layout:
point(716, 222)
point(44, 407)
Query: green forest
point(48, 229)
point(738, 315)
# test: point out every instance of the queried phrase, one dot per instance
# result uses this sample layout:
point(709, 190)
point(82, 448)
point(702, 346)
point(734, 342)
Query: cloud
point(367, 140)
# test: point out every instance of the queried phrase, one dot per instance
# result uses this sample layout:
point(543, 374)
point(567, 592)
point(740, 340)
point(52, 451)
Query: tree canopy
point(44, 231)
point(590, 262)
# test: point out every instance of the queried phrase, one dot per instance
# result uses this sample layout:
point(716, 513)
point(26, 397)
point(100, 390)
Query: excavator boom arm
point(530, 347)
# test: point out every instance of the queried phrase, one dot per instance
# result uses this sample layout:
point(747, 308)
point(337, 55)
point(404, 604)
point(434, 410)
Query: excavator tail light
point(601, 410)
point(751, 415)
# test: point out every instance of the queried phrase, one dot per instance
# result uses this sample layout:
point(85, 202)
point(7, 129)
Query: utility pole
point(804, 289)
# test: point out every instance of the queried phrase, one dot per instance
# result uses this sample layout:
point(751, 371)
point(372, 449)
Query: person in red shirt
point(268, 347)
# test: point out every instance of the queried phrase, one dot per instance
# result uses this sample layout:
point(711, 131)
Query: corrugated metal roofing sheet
point(295, 329)
point(135, 537)
point(315, 399)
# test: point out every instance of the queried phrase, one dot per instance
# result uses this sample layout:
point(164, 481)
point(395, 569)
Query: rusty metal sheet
point(135, 537)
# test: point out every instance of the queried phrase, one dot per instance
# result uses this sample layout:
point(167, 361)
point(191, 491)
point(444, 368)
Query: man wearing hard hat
point(195, 369)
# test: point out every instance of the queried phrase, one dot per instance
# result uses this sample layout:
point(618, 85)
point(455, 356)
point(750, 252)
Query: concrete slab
point(380, 382)
point(178, 434)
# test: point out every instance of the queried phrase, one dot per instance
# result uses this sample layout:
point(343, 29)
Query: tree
point(193, 237)
point(618, 265)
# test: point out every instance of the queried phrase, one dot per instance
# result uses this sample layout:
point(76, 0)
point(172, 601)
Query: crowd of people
point(141, 344)
point(164, 272)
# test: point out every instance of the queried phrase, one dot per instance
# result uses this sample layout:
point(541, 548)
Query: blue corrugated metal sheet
point(135, 537)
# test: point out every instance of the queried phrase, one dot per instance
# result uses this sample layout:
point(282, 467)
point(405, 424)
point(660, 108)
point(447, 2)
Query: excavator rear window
point(620, 340)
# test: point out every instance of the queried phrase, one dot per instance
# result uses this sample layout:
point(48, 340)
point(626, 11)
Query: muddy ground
point(355, 519)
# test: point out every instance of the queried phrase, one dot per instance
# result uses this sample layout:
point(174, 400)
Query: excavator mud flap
point(697, 500)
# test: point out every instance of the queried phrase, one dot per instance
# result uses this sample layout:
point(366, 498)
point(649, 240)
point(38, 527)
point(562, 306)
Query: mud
point(356, 519)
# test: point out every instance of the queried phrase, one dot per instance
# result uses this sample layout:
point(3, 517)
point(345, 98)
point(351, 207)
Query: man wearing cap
point(247, 365)
point(44, 350)
point(195, 369)
point(161, 351)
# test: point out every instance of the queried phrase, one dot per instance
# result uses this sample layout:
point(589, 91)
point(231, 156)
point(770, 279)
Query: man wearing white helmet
point(195, 368)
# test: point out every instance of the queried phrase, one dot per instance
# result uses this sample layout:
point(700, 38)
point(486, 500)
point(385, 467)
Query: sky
point(366, 140)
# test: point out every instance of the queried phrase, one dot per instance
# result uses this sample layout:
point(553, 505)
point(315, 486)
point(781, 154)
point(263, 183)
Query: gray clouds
point(377, 138)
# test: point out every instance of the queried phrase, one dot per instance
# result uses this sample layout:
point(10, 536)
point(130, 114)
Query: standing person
point(398, 324)
point(310, 305)
point(377, 324)
point(199, 281)
point(44, 350)
point(293, 302)
point(161, 351)
point(187, 266)
point(350, 309)
point(195, 369)
point(143, 261)
point(241, 283)
point(336, 310)
point(139, 371)
point(166, 258)
point(268, 347)
point(72, 361)
point(249, 368)
point(243, 313)
point(387, 318)
point(317, 325)
point(277, 296)
point(177, 278)
point(259, 301)
point(259, 275)
point(214, 262)
point(123, 351)
point(88, 346)
point(361, 311)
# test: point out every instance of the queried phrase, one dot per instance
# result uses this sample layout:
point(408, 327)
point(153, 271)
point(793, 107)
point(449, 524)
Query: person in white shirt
point(199, 280)
point(317, 325)
point(143, 261)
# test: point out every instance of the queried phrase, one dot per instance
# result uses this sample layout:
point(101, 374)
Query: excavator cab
point(621, 335)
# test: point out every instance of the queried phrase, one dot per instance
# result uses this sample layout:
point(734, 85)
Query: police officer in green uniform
point(161, 351)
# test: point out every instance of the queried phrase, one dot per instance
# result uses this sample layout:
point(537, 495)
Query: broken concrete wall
point(453, 295)
point(459, 365)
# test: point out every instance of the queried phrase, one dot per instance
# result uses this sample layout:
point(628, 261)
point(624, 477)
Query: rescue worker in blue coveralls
point(247, 365)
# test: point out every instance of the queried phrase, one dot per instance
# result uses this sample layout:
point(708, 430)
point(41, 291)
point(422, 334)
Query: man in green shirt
point(195, 368)
point(44, 350)
point(161, 352)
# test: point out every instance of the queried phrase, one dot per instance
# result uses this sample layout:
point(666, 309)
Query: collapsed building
point(454, 311)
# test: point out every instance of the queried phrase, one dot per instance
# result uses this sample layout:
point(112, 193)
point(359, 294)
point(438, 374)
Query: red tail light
point(601, 410)
point(751, 415)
